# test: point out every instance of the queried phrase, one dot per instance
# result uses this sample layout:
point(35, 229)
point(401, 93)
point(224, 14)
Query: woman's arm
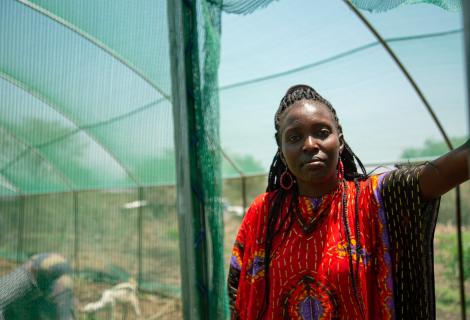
point(444, 173)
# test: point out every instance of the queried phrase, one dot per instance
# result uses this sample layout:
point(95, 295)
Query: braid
point(354, 276)
point(358, 243)
point(275, 171)
point(349, 159)
point(275, 211)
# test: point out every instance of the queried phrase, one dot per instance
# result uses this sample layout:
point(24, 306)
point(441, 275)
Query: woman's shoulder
point(261, 201)
point(368, 187)
point(259, 205)
point(369, 182)
point(255, 213)
point(261, 198)
point(400, 181)
point(405, 175)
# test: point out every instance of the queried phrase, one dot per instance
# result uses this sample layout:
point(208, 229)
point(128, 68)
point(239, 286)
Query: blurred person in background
point(40, 289)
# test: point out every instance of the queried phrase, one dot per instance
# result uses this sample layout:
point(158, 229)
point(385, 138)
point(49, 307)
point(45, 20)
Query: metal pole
point(20, 239)
point(76, 232)
point(140, 235)
point(466, 25)
point(245, 205)
point(466, 22)
point(460, 253)
point(76, 244)
point(439, 126)
point(242, 177)
point(402, 69)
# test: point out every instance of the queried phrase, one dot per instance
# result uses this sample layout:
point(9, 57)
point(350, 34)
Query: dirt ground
point(152, 306)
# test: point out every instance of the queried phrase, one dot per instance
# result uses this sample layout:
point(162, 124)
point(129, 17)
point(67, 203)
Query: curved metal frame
point(29, 147)
point(96, 42)
point(11, 186)
point(444, 135)
point(51, 105)
point(333, 58)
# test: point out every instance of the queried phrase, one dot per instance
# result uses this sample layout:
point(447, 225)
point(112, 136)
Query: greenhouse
point(134, 135)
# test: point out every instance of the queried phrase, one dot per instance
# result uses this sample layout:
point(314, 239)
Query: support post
point(76, 225)
point(458, 215)
point(20, 239)
point(191, 224)
point(466, 40)
point(140, 235)
point(244, 200)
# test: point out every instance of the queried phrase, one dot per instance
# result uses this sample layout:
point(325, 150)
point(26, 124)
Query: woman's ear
point(282, 157)
point(341, 143)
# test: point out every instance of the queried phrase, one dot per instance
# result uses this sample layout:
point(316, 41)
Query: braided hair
point(349, 159)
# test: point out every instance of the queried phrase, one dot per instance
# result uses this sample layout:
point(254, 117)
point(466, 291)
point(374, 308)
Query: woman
point(327, 242)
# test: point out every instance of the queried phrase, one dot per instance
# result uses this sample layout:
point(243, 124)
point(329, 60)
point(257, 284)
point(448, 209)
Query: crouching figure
point(40, 289)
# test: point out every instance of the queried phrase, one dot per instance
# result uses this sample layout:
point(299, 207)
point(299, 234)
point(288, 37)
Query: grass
point(446, 272)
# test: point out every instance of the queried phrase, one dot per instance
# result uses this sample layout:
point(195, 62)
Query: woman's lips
point(315, 162)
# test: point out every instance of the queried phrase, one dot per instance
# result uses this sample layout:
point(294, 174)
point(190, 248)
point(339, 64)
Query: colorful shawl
point(310, 269)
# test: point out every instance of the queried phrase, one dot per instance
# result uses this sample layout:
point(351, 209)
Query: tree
point(246, 163)
point(431, 148)
point(434, 148)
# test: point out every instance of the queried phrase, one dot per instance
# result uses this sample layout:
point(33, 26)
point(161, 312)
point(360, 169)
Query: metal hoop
point(340, 169)
point(282, 182)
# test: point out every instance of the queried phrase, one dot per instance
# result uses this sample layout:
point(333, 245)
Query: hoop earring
point(283, 184)
point(340, 169)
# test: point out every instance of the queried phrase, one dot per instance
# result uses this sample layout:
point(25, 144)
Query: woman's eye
point(293, 138)
point(324, 133)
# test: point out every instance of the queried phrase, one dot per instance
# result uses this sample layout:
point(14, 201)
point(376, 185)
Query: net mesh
point(87, 161)
point(379, 6)
point(87, 166)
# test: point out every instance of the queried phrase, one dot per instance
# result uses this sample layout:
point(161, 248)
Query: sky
point(380, 113)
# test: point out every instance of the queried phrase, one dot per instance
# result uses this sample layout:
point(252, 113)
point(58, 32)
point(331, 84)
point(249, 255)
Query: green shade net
point(125, 30)
point(203, 23)
point(80, 103)
point(378, 5)
point(87, 167)
point(87, 164)
point(248, 6)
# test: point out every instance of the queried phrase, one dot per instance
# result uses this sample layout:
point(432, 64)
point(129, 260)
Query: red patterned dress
point(309, 271)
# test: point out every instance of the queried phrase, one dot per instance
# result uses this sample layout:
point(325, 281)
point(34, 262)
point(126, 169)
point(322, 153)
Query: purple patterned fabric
point(310, 309)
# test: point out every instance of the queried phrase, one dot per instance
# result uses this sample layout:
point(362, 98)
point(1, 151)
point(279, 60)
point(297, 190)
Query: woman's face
point(310, 145)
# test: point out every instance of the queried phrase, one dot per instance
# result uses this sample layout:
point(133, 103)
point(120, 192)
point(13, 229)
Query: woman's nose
point(310, 143)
